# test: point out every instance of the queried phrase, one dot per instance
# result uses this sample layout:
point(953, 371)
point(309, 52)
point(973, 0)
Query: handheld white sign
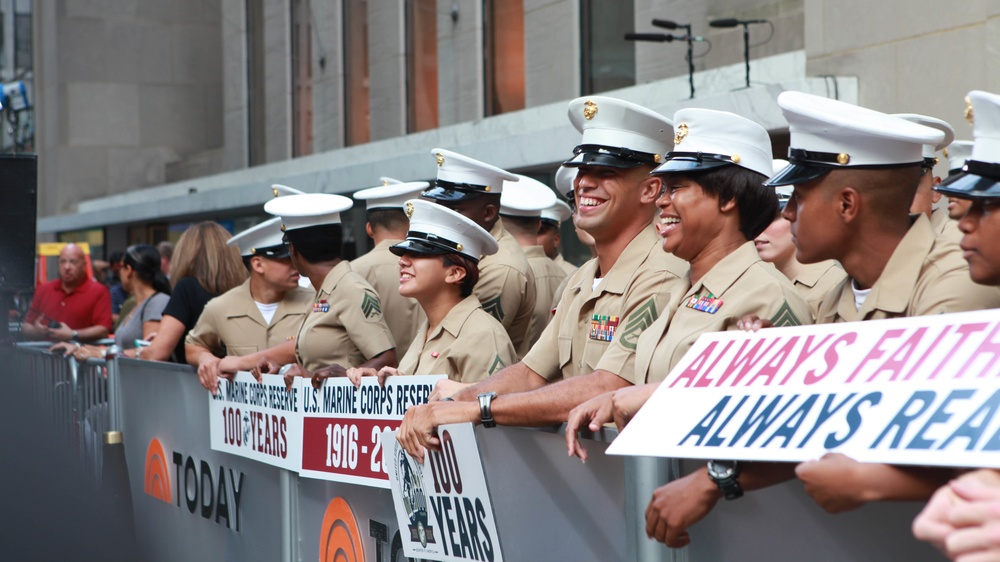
point(921, 390)
point(443, 505)
point(257, 420)
point(341, 425)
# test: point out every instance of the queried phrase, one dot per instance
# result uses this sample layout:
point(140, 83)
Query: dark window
point(608, 61)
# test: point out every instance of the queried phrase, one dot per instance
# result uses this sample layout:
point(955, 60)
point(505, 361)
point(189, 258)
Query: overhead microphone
point(665, 24)
point(732, 22)
point(659, 37)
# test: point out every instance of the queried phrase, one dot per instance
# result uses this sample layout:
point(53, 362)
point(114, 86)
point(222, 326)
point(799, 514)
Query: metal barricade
point(74, 394)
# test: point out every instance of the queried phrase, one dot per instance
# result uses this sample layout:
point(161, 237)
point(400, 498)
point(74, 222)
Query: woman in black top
point(203, 267)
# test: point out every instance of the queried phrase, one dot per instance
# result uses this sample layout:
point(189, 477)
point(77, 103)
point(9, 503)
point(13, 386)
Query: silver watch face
point(720, 470)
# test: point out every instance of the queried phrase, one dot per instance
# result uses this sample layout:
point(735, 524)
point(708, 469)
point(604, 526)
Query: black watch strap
point(726, 475)
point(485, 409)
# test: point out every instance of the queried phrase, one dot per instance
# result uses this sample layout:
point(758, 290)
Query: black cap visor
point(679, 162)
point(968, 185)
point(409, 246)
point(609, 157)
point(439, 193)
point(796, 174)
point(274, 252)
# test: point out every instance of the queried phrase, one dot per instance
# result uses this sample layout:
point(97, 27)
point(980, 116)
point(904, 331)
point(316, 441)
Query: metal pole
point(746, 50)
point(289, 485)
point(642, 476)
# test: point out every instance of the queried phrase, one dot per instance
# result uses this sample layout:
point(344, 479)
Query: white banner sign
point(341, 425)
point(920, 390)
point(257, 420)
point(443, 506)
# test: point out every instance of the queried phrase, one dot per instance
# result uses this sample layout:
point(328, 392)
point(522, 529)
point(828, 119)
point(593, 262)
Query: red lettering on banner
point(806, 353)
point(928, 351)
point(986, 347)
point(831, 358)
point(745, 362)
point(771, 368)
point(876, 351)
point(897, 361)
point(963, 331)
point(691, 372)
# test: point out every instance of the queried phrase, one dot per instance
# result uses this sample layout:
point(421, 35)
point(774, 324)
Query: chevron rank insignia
point(370, 306)
point(497, 365)
point(785, 317)
point(493, 307)
point(640, 319)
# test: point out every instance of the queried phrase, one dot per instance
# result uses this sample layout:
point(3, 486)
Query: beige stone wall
point(128, 87)
point(460, 63)
point(655, 61)
point(552, 51)
point(914, 56)
point(387, 68)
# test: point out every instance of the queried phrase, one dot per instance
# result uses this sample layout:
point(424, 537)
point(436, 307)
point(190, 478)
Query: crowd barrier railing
point(191, 502)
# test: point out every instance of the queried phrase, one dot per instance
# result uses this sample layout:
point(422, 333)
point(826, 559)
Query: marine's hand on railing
point(323, 373)
point(752, 323)
point(678, 505)
point(835, 481)
point(264, 366)
point(592, 414)
point(446, 388)
point(418, 432)
point(385, 372)
point(295, 370)
point(208, 372)
point(355, 374)
point(64, 348)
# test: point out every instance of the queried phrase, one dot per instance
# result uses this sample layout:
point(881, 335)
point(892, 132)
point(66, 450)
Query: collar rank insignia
point(708, 303)
point(602, 328)
point(321, 306)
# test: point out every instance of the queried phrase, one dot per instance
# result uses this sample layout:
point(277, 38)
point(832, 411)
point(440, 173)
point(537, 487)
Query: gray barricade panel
point(165, 403)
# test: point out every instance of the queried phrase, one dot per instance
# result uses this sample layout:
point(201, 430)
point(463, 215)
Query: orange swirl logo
point(157, 479)
point(340, 538)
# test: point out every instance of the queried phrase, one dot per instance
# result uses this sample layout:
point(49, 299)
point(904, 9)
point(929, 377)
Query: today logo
point(216, 494)
point(340, 537)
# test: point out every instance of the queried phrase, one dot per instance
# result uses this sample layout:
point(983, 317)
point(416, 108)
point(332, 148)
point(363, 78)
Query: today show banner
point(331, 433)
point(920, 390)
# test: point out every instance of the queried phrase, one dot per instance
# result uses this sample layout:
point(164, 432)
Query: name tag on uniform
point(602, 328)
point(705, 303)
point(321, 306)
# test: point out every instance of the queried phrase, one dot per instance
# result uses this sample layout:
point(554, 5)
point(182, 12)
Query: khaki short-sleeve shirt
point(590, 320)
point(345, 326)
point(548, 277)
point(231, 323)
point(569, 268)
point(815, 280)
point(925, 275)
point(506, 287)
point(946, 227)
point(738, 285)
point(403, 315)
point(468, 346)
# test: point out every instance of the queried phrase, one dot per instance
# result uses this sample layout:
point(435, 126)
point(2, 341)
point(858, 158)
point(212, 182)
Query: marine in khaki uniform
point(506, 285)
point(741, 284)
point(926, 199)
point(642, 283)
point(521, 206)
point(855, 173)
point(616, 295)
point(345, 327)
point(549, 235)
point(775, 246)
point(958, 153)
point(978, 186)
point(265, 311)
point(387, 225)
point(459, 338)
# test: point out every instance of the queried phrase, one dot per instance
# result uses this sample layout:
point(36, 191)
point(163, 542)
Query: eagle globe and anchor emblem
point(410, 477)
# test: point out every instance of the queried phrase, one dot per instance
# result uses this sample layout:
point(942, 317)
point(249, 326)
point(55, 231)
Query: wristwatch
point(726, 475)
point(485, 413)
point(76, 335)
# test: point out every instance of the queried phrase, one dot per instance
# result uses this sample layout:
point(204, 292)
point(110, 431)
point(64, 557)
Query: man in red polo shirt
point(72, 307)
